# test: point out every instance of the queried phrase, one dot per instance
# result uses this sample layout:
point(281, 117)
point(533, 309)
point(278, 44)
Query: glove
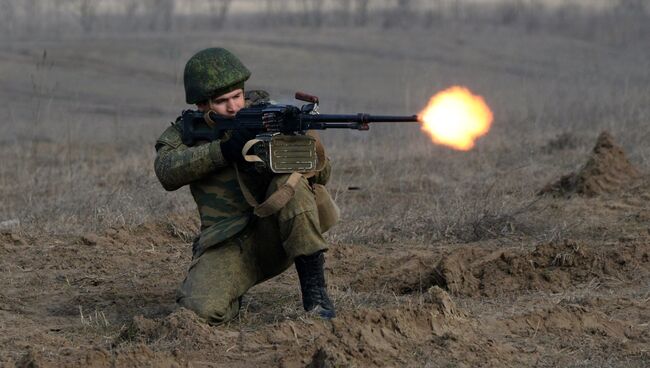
point(231, 149)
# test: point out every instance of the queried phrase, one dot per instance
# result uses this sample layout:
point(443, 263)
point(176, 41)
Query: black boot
point(312, 285)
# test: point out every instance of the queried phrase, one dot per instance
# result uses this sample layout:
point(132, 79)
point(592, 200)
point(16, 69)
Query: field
point(442, 258)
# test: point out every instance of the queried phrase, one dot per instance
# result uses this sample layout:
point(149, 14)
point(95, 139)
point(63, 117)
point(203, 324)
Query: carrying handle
point(247, 147)
point(302, 96)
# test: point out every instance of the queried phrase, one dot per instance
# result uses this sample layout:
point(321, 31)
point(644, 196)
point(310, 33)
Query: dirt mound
point(606, 171)
point(485, 271)
point(436, 328)
point(550, 267)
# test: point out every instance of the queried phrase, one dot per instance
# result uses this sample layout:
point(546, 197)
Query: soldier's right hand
point(231, 148)
point(284, 119)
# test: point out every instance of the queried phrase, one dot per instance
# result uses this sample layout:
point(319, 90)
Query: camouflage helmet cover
point(212, 72)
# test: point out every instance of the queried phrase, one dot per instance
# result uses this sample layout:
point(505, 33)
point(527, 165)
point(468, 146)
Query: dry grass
point(77, 146)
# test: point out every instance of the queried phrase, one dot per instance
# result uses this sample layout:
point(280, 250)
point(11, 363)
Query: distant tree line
point(624, 19)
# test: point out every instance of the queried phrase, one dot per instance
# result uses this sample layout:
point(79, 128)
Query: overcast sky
point(189, 6)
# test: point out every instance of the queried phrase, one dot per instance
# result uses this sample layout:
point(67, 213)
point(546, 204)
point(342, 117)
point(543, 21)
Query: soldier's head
point(214, 80)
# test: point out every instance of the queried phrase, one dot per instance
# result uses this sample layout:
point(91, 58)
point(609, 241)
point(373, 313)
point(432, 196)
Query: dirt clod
point(325, 358)
point(181, 325)
point(94, 239)
point(445, 304)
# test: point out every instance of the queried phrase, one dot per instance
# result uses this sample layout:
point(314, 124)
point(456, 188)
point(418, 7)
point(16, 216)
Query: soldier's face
point(226, 105)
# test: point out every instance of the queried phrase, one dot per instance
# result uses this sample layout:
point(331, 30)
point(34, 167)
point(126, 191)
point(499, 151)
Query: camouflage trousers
point(218, 278)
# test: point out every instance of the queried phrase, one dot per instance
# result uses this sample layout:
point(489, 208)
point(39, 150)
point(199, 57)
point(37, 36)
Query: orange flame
point(456, 118)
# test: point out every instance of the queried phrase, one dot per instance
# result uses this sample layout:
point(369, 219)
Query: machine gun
point(282, 144)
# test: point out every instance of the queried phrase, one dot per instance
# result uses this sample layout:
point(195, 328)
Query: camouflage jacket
point(212, 180)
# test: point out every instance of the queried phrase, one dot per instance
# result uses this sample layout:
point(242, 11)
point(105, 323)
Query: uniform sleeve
point(177, 164)
point(255, 97)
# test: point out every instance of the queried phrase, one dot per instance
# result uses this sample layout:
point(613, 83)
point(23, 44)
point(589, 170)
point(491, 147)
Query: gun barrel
point(392, 119)
point(362, 118)
point(352, 121)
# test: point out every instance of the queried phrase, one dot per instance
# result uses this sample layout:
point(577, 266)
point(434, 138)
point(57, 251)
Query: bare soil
point(107, 300)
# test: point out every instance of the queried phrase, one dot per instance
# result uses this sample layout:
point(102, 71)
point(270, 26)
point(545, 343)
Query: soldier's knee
point(303, 199)
point(303, 188)
point(214, 312)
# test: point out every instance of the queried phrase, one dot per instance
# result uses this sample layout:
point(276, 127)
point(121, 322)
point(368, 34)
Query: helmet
point(213, 72)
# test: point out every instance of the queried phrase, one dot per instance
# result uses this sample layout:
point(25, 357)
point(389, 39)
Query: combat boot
point(312, 285)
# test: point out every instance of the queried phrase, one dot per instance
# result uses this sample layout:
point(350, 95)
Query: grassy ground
point(81, 115)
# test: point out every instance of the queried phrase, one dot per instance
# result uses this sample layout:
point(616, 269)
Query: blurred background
point(88, 85)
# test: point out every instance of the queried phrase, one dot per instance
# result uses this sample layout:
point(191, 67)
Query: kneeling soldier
point(237, 250)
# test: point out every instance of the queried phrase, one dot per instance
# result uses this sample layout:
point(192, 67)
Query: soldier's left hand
point(231, 148)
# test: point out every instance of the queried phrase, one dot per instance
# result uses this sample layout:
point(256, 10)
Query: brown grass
point(78, 143)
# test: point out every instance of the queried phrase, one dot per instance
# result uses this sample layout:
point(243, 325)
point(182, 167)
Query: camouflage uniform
point(235, 249)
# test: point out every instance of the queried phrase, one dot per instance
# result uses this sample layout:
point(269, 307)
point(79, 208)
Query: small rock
point(8, 226)
point(445, 304)
point(17, 239)
point(90, 239)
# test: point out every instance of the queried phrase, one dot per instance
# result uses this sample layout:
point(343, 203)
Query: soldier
point(235, 249)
